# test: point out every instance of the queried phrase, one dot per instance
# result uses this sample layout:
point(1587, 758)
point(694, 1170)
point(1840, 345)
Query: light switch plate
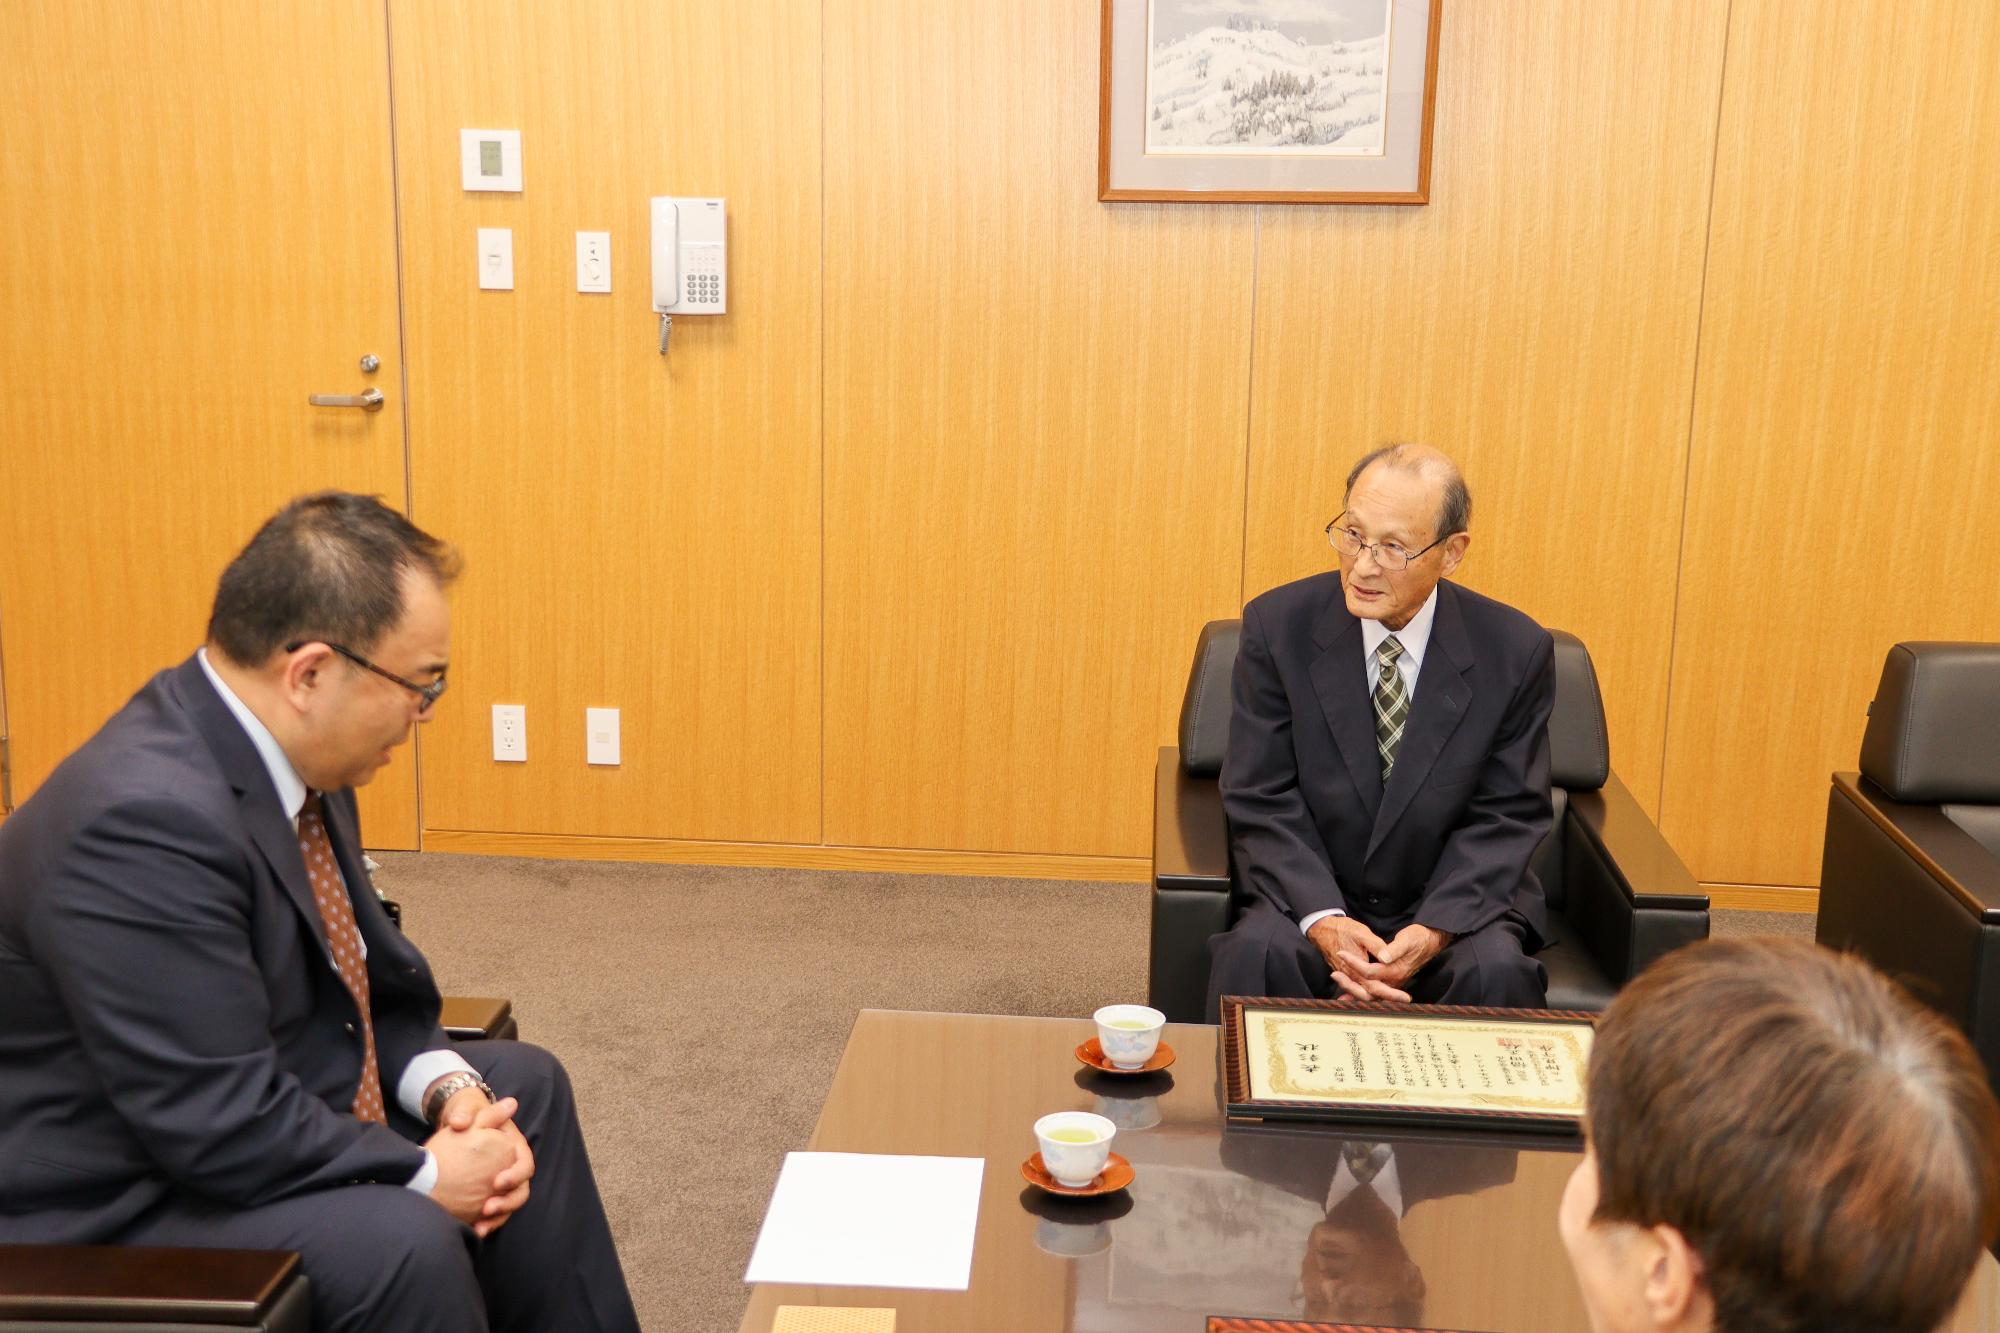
point(490, 160)
point(496, 259)
point(593, 261)
point(600, 735)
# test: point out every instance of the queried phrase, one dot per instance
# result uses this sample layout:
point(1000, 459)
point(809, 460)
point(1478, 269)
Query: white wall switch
point(496, 259)
point(510, 733)
point(490, 160)
point(593, 261)
point(600, 735)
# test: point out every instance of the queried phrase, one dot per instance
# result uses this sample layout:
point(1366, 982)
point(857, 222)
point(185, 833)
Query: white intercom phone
point(690, 257)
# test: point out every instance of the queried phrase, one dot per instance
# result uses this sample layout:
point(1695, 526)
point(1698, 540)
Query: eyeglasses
point(1389, 555)
point(428, 693)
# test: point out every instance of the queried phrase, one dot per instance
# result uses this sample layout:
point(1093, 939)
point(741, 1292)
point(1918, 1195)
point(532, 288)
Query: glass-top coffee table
point(1448, 1231)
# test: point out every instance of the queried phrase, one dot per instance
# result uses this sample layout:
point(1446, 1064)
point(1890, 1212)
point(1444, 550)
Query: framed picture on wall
point(1267, 101)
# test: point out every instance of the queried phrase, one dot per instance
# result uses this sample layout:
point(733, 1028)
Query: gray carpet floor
point(701, 1012)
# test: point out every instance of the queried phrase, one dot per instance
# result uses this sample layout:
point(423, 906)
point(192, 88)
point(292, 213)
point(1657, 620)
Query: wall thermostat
point(490, 160)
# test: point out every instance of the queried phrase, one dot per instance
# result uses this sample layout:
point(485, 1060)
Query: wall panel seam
point(1249, 406)
point(1694, 402)
point(820, 835)
point(402, 354)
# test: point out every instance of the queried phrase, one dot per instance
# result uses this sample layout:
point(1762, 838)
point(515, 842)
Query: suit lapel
point(1339, 679)
point(277, 838)
point(1442, 695)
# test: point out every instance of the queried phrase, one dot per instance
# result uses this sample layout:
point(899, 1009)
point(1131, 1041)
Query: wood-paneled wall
point(1845, 470)
point(1537, 320)
point(641, 532)
point(1034, 438)
point(899, 562)
point(171, 290)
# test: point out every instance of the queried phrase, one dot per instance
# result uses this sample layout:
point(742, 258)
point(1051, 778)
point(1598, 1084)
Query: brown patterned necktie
point(336, 910)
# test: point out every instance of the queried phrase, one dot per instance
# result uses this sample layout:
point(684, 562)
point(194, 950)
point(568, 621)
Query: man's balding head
point(1454, 511)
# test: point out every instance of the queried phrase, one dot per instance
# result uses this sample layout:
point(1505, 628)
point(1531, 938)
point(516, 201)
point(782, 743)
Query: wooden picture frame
point(1237, 1323)
point(1240, 113)
point(1461, 1067)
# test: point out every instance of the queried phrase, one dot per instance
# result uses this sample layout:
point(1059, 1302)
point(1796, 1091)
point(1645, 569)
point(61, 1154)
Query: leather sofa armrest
point(1915, 895)
point(45, 1286)
point(1190, 831)
point(1946, 852)
point(1628, 895)
point(1191, 898)
point(1643, 866)
point(478, 1018)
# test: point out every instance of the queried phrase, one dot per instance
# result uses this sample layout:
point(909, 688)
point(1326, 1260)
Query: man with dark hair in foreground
point(1781, 1140)
point(210, 1032)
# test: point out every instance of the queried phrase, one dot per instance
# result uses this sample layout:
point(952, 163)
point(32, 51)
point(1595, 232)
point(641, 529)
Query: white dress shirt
point(1386, 1184)
point(1416, 640)
point(426, 1067)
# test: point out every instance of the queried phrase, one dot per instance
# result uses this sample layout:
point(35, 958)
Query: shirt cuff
point(1308, 923)
point(424, 1069)
point(426, 1178)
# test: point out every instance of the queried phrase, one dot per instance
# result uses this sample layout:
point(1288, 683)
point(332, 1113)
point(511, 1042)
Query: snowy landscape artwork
point(1307, 77)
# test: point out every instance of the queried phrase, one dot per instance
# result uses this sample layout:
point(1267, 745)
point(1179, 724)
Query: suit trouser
point(382, 1257)
point(1265, 953)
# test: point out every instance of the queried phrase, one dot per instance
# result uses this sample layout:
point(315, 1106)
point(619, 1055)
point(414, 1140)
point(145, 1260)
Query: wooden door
point(197, 231)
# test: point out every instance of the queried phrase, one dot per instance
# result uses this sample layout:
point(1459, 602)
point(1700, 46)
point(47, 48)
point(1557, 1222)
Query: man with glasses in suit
point(1387, 774)
point(212, 1035)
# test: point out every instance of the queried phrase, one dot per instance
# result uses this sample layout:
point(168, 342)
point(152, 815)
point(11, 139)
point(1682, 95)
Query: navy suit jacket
point(170, 1014)
point(1447, 843)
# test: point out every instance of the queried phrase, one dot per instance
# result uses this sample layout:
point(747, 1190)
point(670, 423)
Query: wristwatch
point(449, 1087)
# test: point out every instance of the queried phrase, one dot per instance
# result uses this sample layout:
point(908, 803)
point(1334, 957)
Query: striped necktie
point(1364, 1160)
point(1392, 704)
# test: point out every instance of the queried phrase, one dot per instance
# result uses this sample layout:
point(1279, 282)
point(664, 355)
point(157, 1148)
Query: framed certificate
point(1384, 1064)
point(1229, 1323)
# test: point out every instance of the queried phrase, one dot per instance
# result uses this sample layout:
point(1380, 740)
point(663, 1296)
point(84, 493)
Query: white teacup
point(1129, 1033)
point(1075, 1146)
point(1070, 1240)
point(1130, 1113)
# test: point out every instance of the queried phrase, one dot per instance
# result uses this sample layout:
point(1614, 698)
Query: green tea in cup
point(1075, 1145)
point(1128, 1034)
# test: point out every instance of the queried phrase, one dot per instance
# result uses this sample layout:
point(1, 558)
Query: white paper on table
point(841, 1219)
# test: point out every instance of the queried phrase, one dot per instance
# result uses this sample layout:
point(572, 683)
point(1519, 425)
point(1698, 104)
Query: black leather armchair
point(1911, 877)
point(1618, 896)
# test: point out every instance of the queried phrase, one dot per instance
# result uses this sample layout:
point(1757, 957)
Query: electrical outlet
point(593, 261)
point(510, 733)
point(600, 735)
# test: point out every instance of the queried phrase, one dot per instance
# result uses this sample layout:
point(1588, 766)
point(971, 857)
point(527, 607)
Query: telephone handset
point(690, 253)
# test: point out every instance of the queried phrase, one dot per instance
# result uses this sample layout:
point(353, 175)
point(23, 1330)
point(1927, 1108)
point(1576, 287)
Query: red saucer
point(1117, 1174)
point(1092, 1054)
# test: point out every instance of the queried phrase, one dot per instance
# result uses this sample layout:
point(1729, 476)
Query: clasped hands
point(1368, 967)
point(484, 1162)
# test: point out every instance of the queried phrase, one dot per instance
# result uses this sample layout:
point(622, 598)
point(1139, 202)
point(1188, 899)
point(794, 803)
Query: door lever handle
point(369, 400)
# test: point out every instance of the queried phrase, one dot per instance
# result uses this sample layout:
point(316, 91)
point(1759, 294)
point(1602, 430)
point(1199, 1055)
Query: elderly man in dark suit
point(1387, 776)
point(210, 1032)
